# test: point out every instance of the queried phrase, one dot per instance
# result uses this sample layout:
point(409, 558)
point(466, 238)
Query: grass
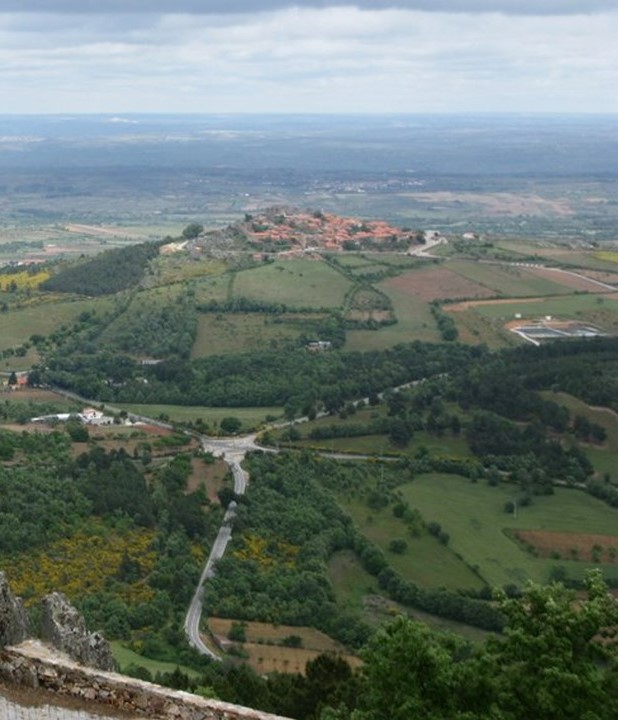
point(125, 657)
point(607, 256)
point(174, 268)
point(251, 417)
point(449, 445)
point(295, 283)
point(351, 581)
point(426, 561)
point(356, 590)
point(17, 325)
point(218, 334)
point(581, 306)
point(475, 328)
point(212, 288)
point(414, 322)
point(474, 517)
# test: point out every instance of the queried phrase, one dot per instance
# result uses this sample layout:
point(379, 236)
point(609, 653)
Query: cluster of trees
point(554, 660)
point(502, 443)
point(46, 495)
point(39, 501)
point(288, 502)
point(157, 329)
point(294, 378)
point(446, 324)
point(287, 527)
point(567, 366)
point(105, 274)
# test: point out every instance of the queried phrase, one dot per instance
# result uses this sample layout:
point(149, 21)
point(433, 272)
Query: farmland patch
point(474, 515)
point(293, 283)
point(222, 333)
point(438, 283)
point(266, 646)
point(586, 547)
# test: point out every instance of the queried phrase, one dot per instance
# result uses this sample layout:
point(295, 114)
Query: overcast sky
point(209, 56)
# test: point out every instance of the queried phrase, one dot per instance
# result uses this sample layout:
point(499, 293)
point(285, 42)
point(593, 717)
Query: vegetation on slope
point(105, 274)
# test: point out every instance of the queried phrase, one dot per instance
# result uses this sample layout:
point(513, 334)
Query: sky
point(313, 56)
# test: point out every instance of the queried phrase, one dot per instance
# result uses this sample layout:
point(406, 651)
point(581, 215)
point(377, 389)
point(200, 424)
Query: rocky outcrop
point(14, 624)
point(65, 628)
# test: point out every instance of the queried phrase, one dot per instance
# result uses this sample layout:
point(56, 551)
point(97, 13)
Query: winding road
point(233, 451)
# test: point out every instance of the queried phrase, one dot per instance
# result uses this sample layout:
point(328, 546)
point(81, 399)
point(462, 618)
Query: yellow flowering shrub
point(23, 280)
point(85, 563)
point(266, 552)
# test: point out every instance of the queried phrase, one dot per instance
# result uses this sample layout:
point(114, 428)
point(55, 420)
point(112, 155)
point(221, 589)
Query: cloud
point(332, 59)
point(198, 7)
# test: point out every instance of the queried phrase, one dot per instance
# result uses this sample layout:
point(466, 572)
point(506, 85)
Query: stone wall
point(36, 665)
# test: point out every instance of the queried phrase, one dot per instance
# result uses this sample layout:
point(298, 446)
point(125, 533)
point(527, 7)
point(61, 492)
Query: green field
point(295, 283)
point(426, 562)
point(252, 417)
point(16, 326)
point(212, 288)
point(125, 657)
point(475, 328)
point(219, 333)
point(446, 445)
point(174, 268)
point(357, 590)
point(474, 517)
point(568, 307)
point(414, 322)
point(350, 580)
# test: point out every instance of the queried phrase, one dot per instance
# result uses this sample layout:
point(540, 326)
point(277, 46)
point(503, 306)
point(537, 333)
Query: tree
point(400, 433)
point(409, 673)
point(192, 231)
point(230, 425)
point(555, 661)
point(398, 545)
point(13, 378)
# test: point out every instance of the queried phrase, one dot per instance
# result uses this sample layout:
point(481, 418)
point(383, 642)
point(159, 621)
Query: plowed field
point(572, 546)
point(438, 283)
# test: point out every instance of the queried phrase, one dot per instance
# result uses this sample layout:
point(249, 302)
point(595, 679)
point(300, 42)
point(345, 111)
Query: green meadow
point(473, 514)
point(294, 283)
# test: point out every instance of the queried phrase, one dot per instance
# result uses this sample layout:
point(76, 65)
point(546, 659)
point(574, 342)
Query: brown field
point(102, 231)
point(605, 277)
point(574, 281)
point(571, 546)
point(467, 304)
point(363, 315)
point(266, 654)
point(36, 395)
point(207, 475)
point(113, 437)
point(501, 203)
point(436, 283)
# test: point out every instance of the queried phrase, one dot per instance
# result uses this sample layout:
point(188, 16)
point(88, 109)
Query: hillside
point(293, 232)
point(451, 440)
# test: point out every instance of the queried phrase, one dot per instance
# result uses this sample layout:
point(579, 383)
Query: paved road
point(194, 614)
point(233, 450)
